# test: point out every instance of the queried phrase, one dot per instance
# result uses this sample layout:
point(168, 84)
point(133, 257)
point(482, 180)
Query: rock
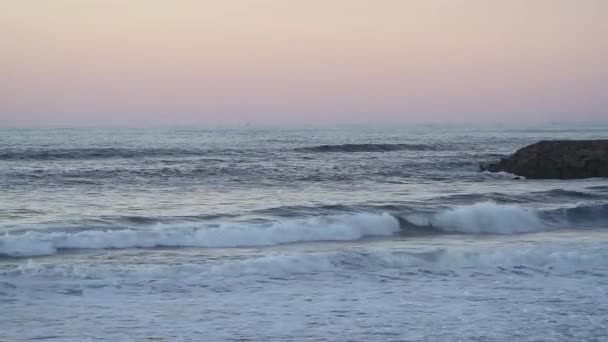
point(556, 159)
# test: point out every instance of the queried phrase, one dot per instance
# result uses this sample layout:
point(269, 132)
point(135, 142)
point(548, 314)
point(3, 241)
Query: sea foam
point(526, 260)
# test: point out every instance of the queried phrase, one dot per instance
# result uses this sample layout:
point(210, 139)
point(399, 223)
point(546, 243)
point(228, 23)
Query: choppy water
point(325, 234)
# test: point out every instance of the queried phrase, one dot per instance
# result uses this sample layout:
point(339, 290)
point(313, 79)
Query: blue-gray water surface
point(312, 233)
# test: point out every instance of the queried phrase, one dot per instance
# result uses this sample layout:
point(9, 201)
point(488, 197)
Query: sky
point(140, 62)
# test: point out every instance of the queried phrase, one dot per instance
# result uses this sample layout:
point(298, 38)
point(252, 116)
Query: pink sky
point(74, 62)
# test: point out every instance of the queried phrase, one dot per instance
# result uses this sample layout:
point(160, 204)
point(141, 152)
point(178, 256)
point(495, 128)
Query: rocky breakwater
point(556, 159)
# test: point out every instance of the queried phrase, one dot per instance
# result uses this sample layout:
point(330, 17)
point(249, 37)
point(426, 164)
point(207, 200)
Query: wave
point(335, 225)
point(102, 153)
point(481, 218)
point(493, 218)
point(527, 260)
point(366, 148)
point(90, 153)
point(336, 228)
point(601, 188)
point(42, 154)
point(517, 260)
point(568, 194)
point(586, 215)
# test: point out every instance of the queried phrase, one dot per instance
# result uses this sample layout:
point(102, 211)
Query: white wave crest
point(336, 228)
point(485, 218)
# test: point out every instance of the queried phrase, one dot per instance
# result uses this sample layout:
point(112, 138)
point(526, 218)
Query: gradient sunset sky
point(89, 62)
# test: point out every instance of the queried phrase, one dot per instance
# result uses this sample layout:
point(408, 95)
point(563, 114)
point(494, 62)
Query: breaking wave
point(136, 232)
point(336, 228)
point(482, 218)
point(366, 148)
point(493, 218)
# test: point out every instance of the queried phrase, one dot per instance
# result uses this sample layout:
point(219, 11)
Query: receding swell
point(94, 153)
point(366, 148)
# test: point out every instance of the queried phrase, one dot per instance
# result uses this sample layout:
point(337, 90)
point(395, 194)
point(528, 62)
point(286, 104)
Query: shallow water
point(329, 234)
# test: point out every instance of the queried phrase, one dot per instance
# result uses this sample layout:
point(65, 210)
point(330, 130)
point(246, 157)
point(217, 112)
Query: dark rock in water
point(556, 159)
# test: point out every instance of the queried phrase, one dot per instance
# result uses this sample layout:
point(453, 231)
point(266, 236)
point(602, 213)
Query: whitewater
point(295, 234)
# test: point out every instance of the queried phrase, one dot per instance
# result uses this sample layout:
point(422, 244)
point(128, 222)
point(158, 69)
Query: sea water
point(288, 234)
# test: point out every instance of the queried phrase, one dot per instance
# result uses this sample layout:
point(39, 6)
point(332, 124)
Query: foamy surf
point(554, 259)
point(335, 228)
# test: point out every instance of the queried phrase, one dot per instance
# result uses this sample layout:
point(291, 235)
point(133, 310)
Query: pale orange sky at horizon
point(335, 61)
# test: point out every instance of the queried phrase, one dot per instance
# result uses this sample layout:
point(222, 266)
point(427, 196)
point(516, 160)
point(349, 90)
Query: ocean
point(343, 233)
